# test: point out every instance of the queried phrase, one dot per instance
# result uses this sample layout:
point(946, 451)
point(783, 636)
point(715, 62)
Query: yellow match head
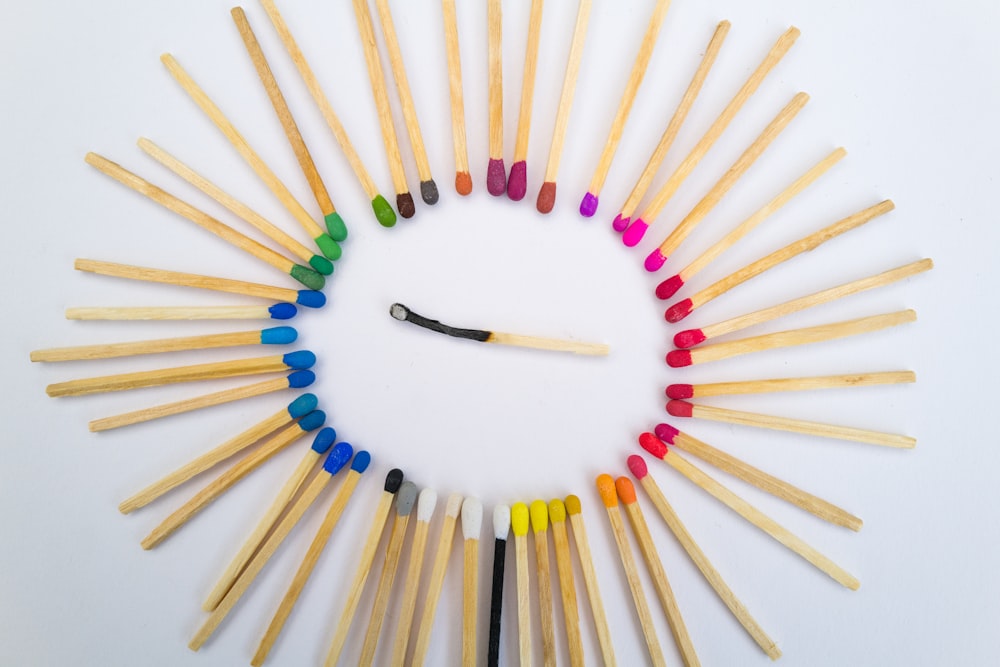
point(557, 511)
point(606, 487)
point(573, 505)
point(519, 521)
point(539, 516)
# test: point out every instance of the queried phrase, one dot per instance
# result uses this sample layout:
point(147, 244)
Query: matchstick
point(393, 481)
point(624, 217)
point(270, 336)
point(588, 207)
point(637, 228)
point(501, 529)
point(751, 514)
point(670, 286)
point(295, 380)
point(575, 512)
point(693, 337)
point(638, 468)
point(335, 461)
point(567, 589)
point(496, 173)
point(305, 275)
point(463, 180)
point(606, 489)
point(682, 309)
point(249, 155)
point(472, 522)
point(404, 200)
point(307, 298)
point(383, 212)
point(279, 311)
point(737, 468)
point(517, 183)
point(333, 514)
point(547, 194)
point(428, 188)
point(300, 407)
point(321, 445)
point(683, 391)
point(519, 524)
point(405, 498)
point(211, 491)
point(334, 222)
point(426, 503)
point(298, 360)
point(539, 514)
point(626, 494)
point(436, 581)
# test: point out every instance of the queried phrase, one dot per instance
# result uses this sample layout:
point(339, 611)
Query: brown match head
point(546, 198)
point(405, 206)
point(463, 183)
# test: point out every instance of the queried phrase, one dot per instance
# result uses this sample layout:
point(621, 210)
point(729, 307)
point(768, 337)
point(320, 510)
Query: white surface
point(910, 89)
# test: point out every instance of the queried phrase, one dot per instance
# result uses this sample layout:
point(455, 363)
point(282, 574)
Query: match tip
point(429, 192)
point(678, 408)
point(453, 506)
point(539, 512)
point(620, 223)
point(425, 504)
point(546, 197)
point(606, 489)
point(312, 421)
point(307, 277)
point(635, 232)
point(654, 262)
point(517, 184)
point(573, 505)
point(393, 480)
point(399, 311)
point(321, 265)
point(300, 379)
point(653, 445)
point(383, 212)
point(330, 248)
point(463, 183)
point(496, 177)
point(637, 466)
point(324, 441)
point(588, 205)
point(666, 433)
point(557, 510)
point(282, 311)
point(310, 298)
point(679, 358)
point(519, 519)
point(501, 522)
point(338, 457)
point(405, 499)
point(361, 461)
point(299, 360)
point(689, 338)
point(336, 228)
point(680, 391)
point(625, 490)
point(472, 518)
point(405, 205)
point(278, 336)
point(669, 287)
point(678, 311)
point(302, 405)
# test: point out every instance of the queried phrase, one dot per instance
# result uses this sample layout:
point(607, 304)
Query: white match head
point(454, 505)
point(501, 521)
point(426, 503)
point(399, 311)
point(472, 518)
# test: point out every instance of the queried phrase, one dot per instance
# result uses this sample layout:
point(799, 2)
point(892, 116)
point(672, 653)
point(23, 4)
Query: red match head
point(680, 408)
point(669, 287)
point(689, 338)
point(679, 311)
point(637, 466)
point(679, 358)
point(680, 391)
point(653, 445)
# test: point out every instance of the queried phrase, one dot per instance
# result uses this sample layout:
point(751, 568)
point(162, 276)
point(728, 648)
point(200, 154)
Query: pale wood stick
point(171, 313)
point(436, 581)
point(792, 384)
point(472, 519)
point(574, 509)
point(649, 39)
point(494, 18)
point(674, 126)
point(567, 589)
point(456, 97)
point(140, 347)
point(606, 489)
point(701, 561)
point(249, 155)
point(190, 404)
point(732, 175)
point(539, 513)
point(528, 81)
point(381, 515)
point(553, 344)
point(425, 511)
point(519, 525)
point(199, 501)
point(805, 244)
point(626, 493)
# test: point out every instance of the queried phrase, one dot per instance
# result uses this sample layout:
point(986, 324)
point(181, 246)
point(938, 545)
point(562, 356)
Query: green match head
point(321, 264)
point(335, 226)
point(329, 247)
point(307, 277)
point(383, 212)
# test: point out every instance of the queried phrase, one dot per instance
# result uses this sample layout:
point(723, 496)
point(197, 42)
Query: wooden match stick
point(539, 514)
point(752, 514)
point(637, 228)
point(333, 514)
point(199, 501)
point(682, 309)
point(737, 468)
point(426, 503)
point(334, 222)
point(404, 200)
point(299, 360)
point(300, 407)
point(279, 311)
point(501, 529)
point(624, 217)
point(249, 155)
point(547, 194)
point(295, 380)
point(517, 184)
point(383, 212)
point(724, 184)
point(404, 314)
point(472, 523)
point(588, 207)
point(575, 512)
point(496, 173)
point(638, 468)
point(436, 581)
point(463, 180)
point(321, 445)
point(393, 481)
point(626, 494)
point(405, 498)
point(693, 337)
point(606, 489)
point(307, 298)
point(683, 391)
point(671, 285)
point(567, 589)
point(519, 524)
point(335, 460)
point(305, 275)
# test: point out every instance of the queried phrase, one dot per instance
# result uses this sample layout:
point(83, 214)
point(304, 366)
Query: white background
point(909, 89)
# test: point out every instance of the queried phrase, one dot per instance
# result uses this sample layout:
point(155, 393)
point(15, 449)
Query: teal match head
point(282, 311)
point(338, 458)
point(405, 498)
point(321, 265)
point(278, 336)
point(383, 212)
point(302, 405)
point(300, 359)
point(330, 248)
point(307, 277)
point(361, 461)
point(312, 421)
point(311, 299)
point(335, 226)
point(324, 440)
point(300, 379)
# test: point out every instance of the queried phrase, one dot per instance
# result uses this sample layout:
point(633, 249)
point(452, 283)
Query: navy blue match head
point(282, 311)
point(300, 379)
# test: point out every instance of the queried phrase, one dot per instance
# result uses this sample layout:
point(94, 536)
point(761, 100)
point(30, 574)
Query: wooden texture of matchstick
point(426, 503)
point(567, 589)
point(575, 512)
point(684, 391)
point(463, 179)
point(279, 311)
point(517, 183)
point(520, 523)
point(472, 523)
point(496, 173)
point(501, 529)
point(539, 514)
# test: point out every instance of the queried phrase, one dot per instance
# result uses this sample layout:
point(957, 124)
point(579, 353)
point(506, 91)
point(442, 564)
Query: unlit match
point(463, 179)
point(684, 391)
point(517, 183)
point(496, 173)
point(279, 311)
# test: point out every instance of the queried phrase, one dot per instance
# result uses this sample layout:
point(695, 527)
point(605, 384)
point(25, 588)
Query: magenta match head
point(546, 197)
point(679, 358)
point(669, 287)
point(496, 177)
point(654, 262)
point(653, 445)
point(666, 433)
point(635, 232)
point(620, 223)
point(637, 466)
point(517, 184)
point(689, 338)
point(680, 391)
point(588, 207)
point(679, 311)
point(680, 408)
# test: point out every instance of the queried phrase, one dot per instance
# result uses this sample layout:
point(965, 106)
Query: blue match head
point(283, 311)
point(302, 405)
point(338, 457)
point(324, 440)
point(300, 379)
point(300, 359)
point(311, 298)
point(278, 336)
point(312, 421)
point(361, 461)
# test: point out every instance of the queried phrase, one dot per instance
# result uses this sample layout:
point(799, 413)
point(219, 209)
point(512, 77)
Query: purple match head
point(517, 184)
point(338, 458)
point(496, 177)
point(620, 223)
point(588, 206)
point(669, 287)
point(655, 261)
point(635, 232)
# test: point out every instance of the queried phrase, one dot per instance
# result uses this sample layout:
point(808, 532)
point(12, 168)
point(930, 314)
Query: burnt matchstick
point(404, 314)
point(501, 529)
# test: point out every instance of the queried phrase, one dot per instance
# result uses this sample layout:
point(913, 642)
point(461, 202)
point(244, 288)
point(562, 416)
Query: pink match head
point(666, 433)
point(517, 184)
point(679, 358)
point(669, 287)
point(496, 177)
point(620, 223)
point(588, 207)
point(680, 391)
point(546, 197)
point(634, 233)
point(680, 408)
point(637, 466)
point(653, 445)
point(679, 311)
point(655, 261)
point(689, 338)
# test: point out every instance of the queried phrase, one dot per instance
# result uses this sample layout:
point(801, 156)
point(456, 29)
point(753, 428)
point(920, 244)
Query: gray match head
point(405, 498)
point(399, 311)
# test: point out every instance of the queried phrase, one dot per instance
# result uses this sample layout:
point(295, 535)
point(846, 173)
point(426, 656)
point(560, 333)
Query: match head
point(405, 206)
point(501, 522)
point(680, 391)
point(399, 311)
point(635, 232)
point(472, 518)
point(689, 338)
point(310, 299)
point(653, 445)
point(361, 461)
point(678, 311)
point(606, 489)
point(625, 490)
point(620, 223)
point(282, 311)
point(680, 408)
point(300, 379)
point(405, 499)
point(463, 183)
point(539, 513)
point(666, 433)
point(335, 227)
point(302, 405)
point(517, 184)
point(321, 265)
point(453, 506)
point(519, 519)
point(393, 480)
point(307, 277)
point(588, 206)
point(546, 197)
point(637, 466)
point(425, 504)
point(299, 360)
point(383, 212)
point(679, 358)
point(557, 510)
point(496, 177)
point(324, 440)
point(573, 505)
point(429, 192)
point(669, 287)
point(330, 248)
point(312, 421)
point(338, 458)
point(278, 336)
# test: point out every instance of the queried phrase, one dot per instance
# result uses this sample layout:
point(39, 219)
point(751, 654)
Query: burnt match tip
point(546, 197)
point(405, 206)
point(429, 192)
point(399, 311)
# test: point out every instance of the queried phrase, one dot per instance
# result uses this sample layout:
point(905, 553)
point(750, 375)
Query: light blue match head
point(282, 311)
point(311, 298)
point(338, 458)
point(312, 421)
point(300, 359)
point(302, 405)
point(361, 461)
point(300, 379)
point(278, 336)
point(324, 440)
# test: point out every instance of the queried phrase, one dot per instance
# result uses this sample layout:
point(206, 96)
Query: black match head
point(393, 480)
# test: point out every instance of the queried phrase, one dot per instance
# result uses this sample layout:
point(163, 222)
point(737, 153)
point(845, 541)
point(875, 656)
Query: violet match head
point(620, 223)
point(429, 192)
point(680, 408)
point(666, 433)
point(635, 232)
point(606, 489)
point(678, 311)
point(517, 184)
point(637, 466)
point(669, 287)
point(655, 261)
point(689, 338)
point(546, 198)
point(463, 183)
point(588, 206)
point(405, 206)
point(496, 177)
point(679, 358)
point(653, 445)
point(338, 457)
point(680, 391)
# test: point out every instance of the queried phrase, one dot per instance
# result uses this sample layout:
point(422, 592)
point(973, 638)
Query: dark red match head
point(669, 287)
point(680, 408)
point(653, 445)
point(679, 311)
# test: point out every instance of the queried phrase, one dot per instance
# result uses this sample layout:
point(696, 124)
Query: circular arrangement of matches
point(326, 462)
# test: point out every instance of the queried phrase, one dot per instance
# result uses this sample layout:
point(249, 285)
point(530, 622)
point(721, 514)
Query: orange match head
point(626, 492)
point(606, 487)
